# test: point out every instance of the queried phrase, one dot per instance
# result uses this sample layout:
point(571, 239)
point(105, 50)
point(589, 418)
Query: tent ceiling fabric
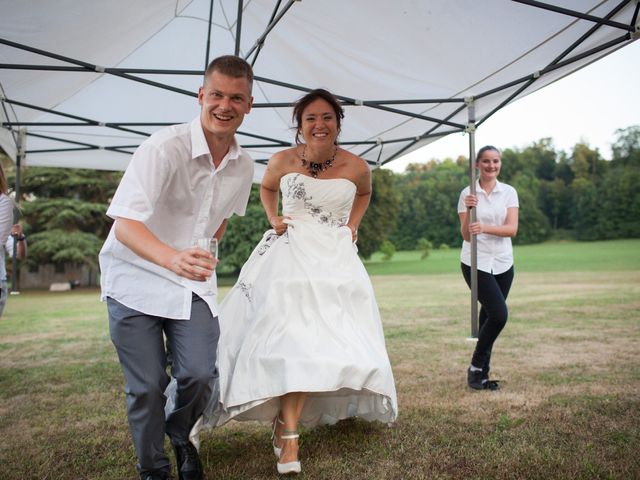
point(403, 68)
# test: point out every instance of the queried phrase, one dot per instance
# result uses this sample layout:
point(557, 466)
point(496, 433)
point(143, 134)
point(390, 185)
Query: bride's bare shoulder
point(284, 159)
point(280, 164)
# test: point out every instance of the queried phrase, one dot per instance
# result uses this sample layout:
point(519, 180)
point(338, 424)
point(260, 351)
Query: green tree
point(546, 158)
point(555, 201)
point(388, 250)
point(64, 213)
point(563, 169)
point(619, 205)
point(626, 148)
point(514, 162)
point(533, 226)
point(243, 234)
point(586, 162)
point(425, 247)
point(429, 197)
point(584, 216)
point(380, 219)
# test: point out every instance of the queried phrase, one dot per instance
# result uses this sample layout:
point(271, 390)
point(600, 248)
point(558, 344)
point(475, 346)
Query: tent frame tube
point(22, 151)
point(272, 24)
point(238, 27)
point(117, 126)
point(206, 53)
point(89, 122)
point(95, 68)
point(155, 71)
point(372, 104)
point(277, 15)
point(573, 13)
point(588, 33)
point(471, 129)
point(273, 15)
point(550, 68)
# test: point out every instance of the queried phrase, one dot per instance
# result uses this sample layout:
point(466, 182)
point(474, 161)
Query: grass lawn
point(568, 359)
point(561, 256)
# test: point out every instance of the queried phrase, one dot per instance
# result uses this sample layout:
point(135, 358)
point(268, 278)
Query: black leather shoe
point(155, 475)
point(188, 462)
point(474, 379)
point(491, 384)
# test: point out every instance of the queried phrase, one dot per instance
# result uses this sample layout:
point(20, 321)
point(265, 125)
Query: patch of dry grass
point(569, 406)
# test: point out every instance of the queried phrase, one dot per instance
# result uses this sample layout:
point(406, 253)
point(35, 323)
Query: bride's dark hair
point(311, 97)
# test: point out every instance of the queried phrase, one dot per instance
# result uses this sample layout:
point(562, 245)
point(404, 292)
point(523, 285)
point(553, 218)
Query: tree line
point(579, 193)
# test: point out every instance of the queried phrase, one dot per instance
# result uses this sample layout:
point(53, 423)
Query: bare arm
point(464, 225)
point(269, 199)
point(20, 241)
point(192, 263)
point(508, 229)
point(361, 202)
point(220, 232)
point(269, 193)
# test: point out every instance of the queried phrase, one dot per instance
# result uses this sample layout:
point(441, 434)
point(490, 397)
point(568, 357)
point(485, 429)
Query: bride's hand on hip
point(278, 224)
point(354, 232)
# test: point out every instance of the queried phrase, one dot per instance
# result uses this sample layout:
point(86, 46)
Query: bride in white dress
point(301, 338)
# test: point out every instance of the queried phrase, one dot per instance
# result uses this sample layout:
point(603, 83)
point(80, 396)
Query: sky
point(597, 100)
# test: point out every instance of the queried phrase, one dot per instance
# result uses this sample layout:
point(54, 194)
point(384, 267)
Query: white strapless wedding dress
point(302, 317)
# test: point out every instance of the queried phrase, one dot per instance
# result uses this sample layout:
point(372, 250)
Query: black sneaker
point(474, 379)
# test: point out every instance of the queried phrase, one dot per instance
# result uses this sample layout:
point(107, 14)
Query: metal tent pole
point(238, 28)
point(206, 54)
point(471, 130)
point(22, 146)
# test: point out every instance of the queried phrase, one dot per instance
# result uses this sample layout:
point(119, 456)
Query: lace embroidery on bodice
point(326, 201)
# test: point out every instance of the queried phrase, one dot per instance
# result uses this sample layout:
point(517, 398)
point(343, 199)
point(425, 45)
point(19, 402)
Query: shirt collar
point(200, 147)
point(497, 188)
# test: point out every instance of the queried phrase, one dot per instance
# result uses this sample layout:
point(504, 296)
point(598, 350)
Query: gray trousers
point(4, 292)
point(139, 341)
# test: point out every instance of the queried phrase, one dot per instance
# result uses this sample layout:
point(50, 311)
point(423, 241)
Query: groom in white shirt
point(182, 184)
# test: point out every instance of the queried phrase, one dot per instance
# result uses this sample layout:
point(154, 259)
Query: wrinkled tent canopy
point(89, 80)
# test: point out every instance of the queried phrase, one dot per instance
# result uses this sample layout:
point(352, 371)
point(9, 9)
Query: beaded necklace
point(317, 167)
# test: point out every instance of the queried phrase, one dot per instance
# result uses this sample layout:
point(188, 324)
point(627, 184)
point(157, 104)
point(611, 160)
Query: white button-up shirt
point(172, 187)
point(495, 254)
point(6, 222)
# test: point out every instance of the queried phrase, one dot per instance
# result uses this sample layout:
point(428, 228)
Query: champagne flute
point(211, 246)
point(208, 244)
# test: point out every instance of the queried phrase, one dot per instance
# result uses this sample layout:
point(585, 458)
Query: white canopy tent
point(89, 80)
point(83, 82)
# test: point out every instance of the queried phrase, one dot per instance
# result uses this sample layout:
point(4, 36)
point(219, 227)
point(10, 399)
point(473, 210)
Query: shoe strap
point(275, 423)
point(289, 435)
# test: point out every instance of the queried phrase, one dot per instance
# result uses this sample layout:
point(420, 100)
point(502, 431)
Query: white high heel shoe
point(289, 467)
point(276, 450)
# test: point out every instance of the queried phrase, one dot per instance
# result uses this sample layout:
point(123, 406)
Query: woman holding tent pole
point(496, 206)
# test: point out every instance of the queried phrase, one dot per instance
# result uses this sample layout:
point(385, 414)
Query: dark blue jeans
point(492, 295)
